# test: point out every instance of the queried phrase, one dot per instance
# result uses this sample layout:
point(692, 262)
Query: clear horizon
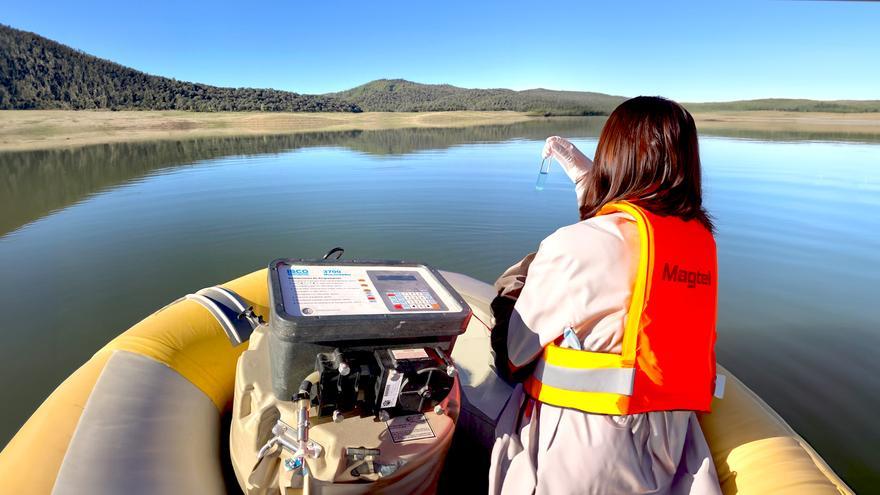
point(816, 50)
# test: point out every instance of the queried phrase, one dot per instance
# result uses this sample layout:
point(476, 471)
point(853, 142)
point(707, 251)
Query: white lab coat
point(582, 275)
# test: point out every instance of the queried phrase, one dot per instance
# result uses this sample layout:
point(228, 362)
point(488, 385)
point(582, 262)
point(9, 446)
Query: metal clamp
point(364, 462)
point(355, 454)
point(236, 318)
point(286, 437)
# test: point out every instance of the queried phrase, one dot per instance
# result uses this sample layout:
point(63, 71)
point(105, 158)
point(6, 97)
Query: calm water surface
point(92, 240)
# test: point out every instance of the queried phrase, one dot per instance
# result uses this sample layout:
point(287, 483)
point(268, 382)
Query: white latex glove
point(575, 163)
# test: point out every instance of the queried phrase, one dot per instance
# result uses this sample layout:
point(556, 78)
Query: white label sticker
point(392, 389)
point(720, 381)
point(412, 427)
point(318, 291)
point(403, 354)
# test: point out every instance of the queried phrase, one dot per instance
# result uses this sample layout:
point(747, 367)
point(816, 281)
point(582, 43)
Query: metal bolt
point(337, 416)
point(438, 409)
point(343, 369)
point(450, 370)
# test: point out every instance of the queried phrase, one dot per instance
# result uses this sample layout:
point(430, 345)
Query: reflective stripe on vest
point(610, 380)
point(607, 380)
point(667, 360)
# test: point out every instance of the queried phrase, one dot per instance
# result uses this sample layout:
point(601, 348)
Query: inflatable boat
point(186, 402)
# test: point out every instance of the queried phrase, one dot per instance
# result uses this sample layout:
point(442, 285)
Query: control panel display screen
point(405, 291)
point(322, 290)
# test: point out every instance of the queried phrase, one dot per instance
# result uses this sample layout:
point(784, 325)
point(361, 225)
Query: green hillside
point(788, 105)
point(38, 73)
point(398, 95)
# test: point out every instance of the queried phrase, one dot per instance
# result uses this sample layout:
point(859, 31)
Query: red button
point(398, 306)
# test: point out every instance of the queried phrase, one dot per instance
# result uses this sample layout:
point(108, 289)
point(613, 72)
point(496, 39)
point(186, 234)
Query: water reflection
point(35, 183)
point(792, 135)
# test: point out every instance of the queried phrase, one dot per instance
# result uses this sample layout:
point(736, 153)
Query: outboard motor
point(350, 386)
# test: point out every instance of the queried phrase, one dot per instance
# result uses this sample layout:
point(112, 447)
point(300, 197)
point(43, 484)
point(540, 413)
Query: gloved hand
point(575, 163)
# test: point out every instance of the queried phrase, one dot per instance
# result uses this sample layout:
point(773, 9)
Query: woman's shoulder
point(613, 231)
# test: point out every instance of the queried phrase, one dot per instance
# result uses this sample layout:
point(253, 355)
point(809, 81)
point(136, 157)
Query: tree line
point(38, 73)
point(398, 95)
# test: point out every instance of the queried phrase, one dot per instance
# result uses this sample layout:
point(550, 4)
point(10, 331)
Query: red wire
point(483, 322)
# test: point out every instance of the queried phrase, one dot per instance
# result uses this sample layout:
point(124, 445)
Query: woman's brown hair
point(648, 154)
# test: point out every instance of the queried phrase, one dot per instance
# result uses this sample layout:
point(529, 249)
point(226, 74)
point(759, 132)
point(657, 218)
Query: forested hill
point(38, 73)
point(788, 105)
point(398, 95)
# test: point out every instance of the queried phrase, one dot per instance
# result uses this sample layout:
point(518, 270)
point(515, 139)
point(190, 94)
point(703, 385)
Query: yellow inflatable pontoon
point(144, 414)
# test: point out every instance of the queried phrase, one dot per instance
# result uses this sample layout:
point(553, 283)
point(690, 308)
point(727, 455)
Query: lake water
point(94, 239)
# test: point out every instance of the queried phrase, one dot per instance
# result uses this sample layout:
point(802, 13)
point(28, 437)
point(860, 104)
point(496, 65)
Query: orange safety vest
point(668, 357)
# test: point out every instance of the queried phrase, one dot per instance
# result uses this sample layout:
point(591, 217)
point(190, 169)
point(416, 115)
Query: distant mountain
point(38, 73)
point(788, 105)
point(398, 95)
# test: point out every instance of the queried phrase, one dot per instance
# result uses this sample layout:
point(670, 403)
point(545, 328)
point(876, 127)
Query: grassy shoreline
point(22, 130)
point(46, 129)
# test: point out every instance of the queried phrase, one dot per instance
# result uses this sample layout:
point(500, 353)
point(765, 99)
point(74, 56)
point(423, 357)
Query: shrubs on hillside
point(37, 73)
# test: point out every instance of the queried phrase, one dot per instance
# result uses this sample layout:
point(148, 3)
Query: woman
point(608, 330)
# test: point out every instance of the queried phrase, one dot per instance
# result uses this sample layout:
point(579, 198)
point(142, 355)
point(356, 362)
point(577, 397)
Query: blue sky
point(692, 51)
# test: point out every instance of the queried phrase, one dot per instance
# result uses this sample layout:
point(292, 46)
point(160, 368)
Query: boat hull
point(754, 450)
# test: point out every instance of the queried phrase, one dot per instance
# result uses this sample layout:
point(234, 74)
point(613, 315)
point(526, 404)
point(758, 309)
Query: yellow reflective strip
point(573, 358)
point(594, 402)
point(643, 277)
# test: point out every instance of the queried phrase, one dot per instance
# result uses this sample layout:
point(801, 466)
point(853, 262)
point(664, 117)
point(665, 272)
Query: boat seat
point(484, 394)
point(144, 429)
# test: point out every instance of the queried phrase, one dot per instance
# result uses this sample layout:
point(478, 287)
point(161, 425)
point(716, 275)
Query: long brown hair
point(648, 154)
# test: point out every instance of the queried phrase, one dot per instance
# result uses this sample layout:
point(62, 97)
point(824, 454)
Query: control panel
point(310, 290)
